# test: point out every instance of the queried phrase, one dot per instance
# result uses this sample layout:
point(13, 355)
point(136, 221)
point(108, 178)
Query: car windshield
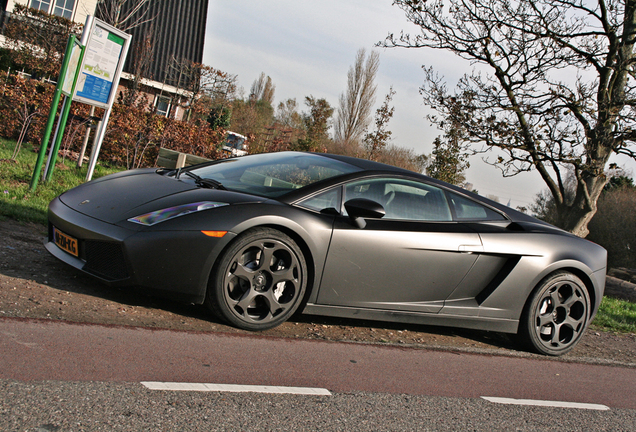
point(272, 174)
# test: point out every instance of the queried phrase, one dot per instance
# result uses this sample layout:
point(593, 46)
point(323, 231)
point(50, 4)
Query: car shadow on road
point(409, 334)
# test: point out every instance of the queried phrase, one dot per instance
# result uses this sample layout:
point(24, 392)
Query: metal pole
point(80, 159)
point(87, 29)
point(47, 167)
point(53, 110)
point(99, 138)
point(66, 108)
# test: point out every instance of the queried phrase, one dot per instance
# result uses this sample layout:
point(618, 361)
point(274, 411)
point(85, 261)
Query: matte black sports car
point(259, 237)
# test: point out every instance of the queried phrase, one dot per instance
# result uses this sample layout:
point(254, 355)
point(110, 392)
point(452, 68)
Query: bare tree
point(402, 157)
point(287, 114)
point(124, 14)
point(268, 92)
point(355, 104)
point(552, 91)
point(263, 89)
point(254, 117)
point(143, 55)
point(199, 84)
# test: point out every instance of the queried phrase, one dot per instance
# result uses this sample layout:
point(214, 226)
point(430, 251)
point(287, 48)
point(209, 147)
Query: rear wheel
point(260, 280)
point(556, 314)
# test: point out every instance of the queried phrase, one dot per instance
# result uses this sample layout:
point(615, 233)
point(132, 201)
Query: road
point(81, 364)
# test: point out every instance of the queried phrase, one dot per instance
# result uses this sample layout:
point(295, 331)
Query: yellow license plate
point(65, 242)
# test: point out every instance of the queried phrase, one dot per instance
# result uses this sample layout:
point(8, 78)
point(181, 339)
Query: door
point(410, 260)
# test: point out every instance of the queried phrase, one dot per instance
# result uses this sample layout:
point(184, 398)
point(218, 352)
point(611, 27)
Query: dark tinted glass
point(466, 209)
point(273, 174)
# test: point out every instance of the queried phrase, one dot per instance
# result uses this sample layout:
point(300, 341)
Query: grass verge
point(616, 315)
point(17, 201)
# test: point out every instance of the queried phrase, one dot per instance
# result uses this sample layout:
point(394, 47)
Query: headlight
point(163, 215)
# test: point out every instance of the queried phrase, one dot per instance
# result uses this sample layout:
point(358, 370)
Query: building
point(176, 29)
point(75, 10)
point(177, 33)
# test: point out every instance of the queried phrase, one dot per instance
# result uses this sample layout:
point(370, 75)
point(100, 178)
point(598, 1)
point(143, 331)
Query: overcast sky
point(307, 48)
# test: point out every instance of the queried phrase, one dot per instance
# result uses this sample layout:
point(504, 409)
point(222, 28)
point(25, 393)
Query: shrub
point(132, 138)
point(19, 99)
point(37, 40)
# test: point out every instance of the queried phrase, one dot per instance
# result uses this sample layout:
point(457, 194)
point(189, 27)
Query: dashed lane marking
point(234, 388)
point(557, 404)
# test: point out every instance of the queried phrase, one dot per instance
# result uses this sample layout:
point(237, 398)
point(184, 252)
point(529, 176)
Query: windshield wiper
point(205, 182)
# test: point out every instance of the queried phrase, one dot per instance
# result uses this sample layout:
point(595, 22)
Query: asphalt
point(47, 350)
point(45, 406)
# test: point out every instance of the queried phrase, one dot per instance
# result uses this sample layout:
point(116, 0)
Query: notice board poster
point(103, 60)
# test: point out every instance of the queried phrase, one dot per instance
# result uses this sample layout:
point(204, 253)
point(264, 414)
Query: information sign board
point(101, 67)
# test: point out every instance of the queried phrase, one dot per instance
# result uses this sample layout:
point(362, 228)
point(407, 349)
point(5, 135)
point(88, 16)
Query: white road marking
point(556, 404)
point(234, 388)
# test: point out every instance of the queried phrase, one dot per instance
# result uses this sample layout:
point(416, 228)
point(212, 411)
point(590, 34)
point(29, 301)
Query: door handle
point(468, 249)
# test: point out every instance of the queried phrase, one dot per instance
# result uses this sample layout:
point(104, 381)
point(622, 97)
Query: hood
point(118, 197)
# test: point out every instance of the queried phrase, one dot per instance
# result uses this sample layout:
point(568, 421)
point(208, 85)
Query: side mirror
point(360, 208)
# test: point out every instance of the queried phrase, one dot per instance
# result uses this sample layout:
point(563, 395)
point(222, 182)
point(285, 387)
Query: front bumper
point(177, 263)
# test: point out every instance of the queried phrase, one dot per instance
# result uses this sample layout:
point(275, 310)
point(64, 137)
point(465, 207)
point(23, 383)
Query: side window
point(466, 209)
point(323, 200)
point(372, 189)
point(403, 199)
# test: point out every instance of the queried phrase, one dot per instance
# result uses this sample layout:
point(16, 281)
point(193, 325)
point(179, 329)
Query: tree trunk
point(575, 217)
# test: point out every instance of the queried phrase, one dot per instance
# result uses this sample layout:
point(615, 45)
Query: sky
point(307, 48)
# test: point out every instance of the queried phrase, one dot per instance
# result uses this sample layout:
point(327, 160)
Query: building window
point(162, 105)
point(41, 5)
point(63, 8)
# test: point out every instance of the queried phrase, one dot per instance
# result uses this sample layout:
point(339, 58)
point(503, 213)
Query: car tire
point(555, 315)
point(259, 281)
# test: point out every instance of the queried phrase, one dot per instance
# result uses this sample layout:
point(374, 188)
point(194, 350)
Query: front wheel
point(556, 314)
point(259, 281)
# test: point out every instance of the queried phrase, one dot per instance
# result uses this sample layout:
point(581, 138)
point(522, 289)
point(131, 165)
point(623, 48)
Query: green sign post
point(71, 48)
point(68, 87)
